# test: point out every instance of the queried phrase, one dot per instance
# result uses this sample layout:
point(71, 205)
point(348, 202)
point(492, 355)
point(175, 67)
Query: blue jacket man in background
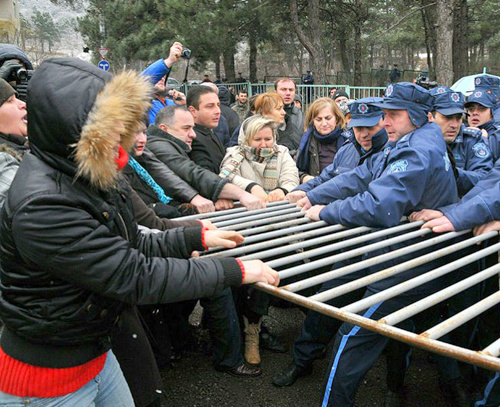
point(472, 155)
point(412, 173)
point(367, 137)
point(157, 73)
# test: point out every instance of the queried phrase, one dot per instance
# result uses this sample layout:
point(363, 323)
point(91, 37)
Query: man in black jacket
point(171, 140)
point(73, 263)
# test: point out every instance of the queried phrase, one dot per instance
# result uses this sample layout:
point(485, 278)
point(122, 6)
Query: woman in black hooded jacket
point(72, 259)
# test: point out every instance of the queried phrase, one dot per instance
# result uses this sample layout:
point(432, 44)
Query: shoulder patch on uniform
point(447, 163)
point(480, 150)
point(398, 166)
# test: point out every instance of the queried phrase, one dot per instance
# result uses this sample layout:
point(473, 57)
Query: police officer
point(490, 82)
point(480, 105)
point(366, 137)
point(472, 156)
point(369, 138)
point(479, 209)
point(413, 172)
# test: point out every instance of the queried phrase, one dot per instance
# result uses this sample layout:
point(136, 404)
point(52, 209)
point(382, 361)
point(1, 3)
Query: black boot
point(290, 375)
point(455, 393)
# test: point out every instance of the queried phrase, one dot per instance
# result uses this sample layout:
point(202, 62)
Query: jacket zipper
point(124, 227)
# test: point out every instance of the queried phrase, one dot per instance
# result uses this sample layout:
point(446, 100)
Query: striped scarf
point(148, 179)
point(268, 156)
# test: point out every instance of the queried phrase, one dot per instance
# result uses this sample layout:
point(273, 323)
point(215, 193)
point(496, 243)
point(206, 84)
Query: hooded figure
point(73, 263)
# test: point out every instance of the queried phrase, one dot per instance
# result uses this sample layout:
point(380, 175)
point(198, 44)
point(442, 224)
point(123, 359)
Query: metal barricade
point(295, 246)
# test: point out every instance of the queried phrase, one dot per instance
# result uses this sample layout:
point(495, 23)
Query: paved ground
point(193, 382)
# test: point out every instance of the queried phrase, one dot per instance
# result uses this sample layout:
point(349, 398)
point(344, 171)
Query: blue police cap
point(488, 81)
point(364, 113)
point(411, 97)
point(483, 96)
point(447, 102)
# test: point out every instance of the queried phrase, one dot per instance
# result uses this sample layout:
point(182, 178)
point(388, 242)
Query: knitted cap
point(6, 91)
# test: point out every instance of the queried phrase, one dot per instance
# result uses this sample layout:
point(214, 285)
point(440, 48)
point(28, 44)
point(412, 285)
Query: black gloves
point(8, 68)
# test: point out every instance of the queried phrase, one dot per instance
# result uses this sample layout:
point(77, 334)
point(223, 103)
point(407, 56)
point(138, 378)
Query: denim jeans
point(108, 388)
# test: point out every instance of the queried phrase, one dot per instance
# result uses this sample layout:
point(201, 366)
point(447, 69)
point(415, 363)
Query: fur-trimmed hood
point(77, 113)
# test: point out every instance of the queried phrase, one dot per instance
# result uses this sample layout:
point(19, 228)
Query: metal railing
point(295, 246)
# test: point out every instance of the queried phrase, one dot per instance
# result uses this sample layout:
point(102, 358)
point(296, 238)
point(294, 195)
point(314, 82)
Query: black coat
point(174, 153)
point(207, 150)
point(168, 180)
point(71, 254)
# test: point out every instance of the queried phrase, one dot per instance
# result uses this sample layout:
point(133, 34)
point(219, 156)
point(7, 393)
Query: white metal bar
point(342, 245)
point(324, 277)
point(265, 221)
point(255, 217)
point(464, 316)
point(401, 288)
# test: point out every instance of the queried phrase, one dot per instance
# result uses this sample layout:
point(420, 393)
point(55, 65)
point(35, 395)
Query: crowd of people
point(98, 277)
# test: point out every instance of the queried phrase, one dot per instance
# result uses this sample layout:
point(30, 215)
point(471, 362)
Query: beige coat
point(253, 172)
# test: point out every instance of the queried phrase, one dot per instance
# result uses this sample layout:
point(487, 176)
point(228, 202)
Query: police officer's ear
point(430, 115)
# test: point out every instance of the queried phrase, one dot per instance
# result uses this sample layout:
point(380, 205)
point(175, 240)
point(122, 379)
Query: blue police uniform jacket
point(472, 158)
point(348, 157)
point(480, 205)
point(493, 129)
point(155, 72)
point(411, 174)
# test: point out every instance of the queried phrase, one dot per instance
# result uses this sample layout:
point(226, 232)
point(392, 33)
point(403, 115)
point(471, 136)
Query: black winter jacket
point(174, 153)
point(207, 150)
point(71, 254)
point(169, 181)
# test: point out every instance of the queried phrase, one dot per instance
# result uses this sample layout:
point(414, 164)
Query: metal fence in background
point(296, 246)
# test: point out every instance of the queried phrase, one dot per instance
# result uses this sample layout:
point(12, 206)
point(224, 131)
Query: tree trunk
point(217, 65)
point(460, 46)
point(312, 40)
point(228, 59)
point(252, 62)
point(444, 31)
point(430, 35)
point(357, 55)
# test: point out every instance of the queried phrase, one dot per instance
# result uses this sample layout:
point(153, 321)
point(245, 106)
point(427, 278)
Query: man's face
point(13, 117)
point(182, 128)
point(242, 97)
point(160, 88)
point(208, 112)
point(286, 89)
point(397, 123)
point(450, 125)
point(341, 99)
point(140, 140)
point(478, 114)
point(364, 135)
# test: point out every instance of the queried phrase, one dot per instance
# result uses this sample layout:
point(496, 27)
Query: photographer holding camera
point(158, 73)
point(15, 68)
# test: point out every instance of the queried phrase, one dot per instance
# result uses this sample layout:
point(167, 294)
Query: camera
point(424, 81)
point(186, 53)
point(20, 75)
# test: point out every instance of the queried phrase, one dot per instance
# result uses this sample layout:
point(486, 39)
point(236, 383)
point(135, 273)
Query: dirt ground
point(192, 382)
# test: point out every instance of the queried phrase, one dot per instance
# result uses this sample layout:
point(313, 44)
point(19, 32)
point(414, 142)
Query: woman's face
point(277, 114)
point(262, 139)
point(325, 121)
point(140, 141)
point(13, 117)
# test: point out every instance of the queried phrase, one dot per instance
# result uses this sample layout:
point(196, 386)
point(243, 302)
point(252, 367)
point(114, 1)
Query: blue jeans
point(108, 388)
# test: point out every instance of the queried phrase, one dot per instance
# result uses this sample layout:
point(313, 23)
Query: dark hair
point(243, 91)
point(167, 114)
point(194, 94)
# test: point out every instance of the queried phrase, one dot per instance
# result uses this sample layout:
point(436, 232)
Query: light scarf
point(148, 179)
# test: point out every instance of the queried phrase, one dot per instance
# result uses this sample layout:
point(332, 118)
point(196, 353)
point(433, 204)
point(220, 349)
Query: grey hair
point(253, 125)
point(166, 115)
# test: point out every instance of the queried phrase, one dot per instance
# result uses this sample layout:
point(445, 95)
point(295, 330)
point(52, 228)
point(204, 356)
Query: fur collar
point(123, 100)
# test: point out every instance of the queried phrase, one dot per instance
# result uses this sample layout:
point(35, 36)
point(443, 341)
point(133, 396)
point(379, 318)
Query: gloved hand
point(7, 68)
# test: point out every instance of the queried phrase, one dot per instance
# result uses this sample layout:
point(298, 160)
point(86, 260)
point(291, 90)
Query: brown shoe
point(243, 370)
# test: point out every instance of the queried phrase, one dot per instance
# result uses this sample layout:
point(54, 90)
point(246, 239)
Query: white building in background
point(10, 23)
